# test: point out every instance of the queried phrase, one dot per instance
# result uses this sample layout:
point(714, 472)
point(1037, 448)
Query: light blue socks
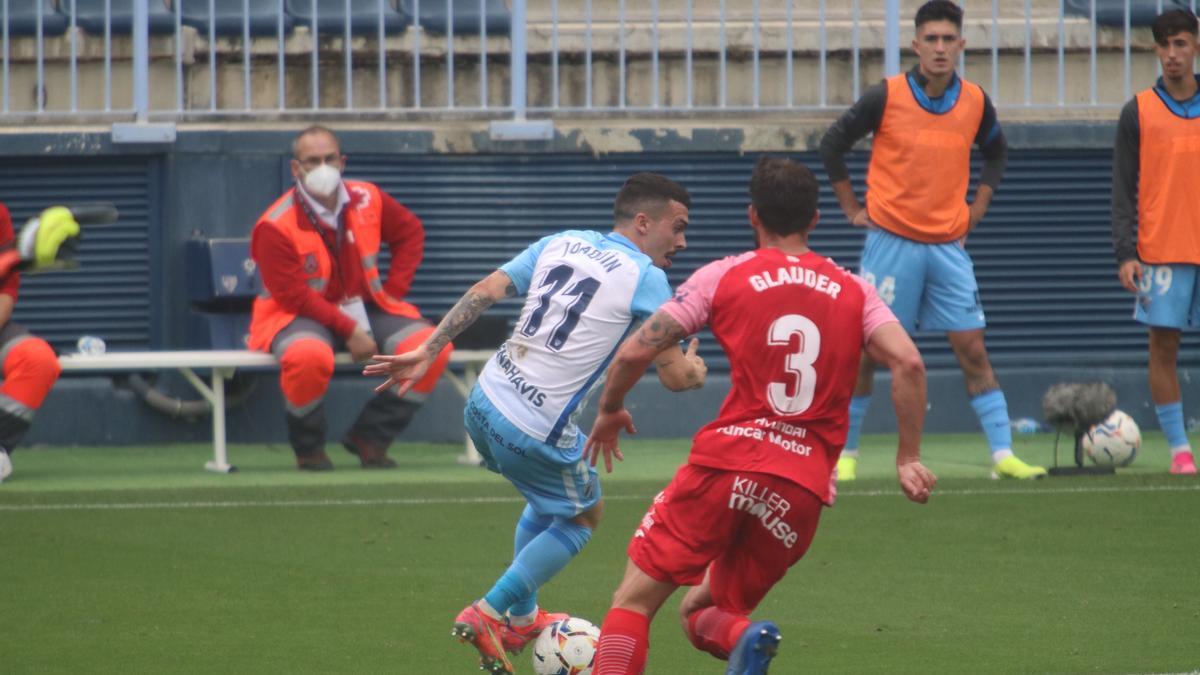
point(858, 411)
point(542, 556)
point(530, 525)
point(992, 410)
point(1170, 420)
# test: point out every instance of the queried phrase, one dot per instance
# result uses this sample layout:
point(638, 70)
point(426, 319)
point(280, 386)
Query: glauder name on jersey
point(795, 275)
point(776, 432)
point(513, 374)
point(764, 504)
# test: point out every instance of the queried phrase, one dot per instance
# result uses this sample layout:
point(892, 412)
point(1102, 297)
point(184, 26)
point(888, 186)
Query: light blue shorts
point(1168, 296)
point(555, 481)
point(930, 287)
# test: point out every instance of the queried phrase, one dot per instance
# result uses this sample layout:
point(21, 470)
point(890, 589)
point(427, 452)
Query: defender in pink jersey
point(746, 505)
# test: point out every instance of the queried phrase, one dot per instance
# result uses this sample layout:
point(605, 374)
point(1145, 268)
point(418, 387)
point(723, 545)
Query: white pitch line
point(1191, 487)
point(135, 506)
point(442, 501)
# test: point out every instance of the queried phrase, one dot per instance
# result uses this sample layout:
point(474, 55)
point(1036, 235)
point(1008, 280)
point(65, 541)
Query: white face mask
point(323, 181)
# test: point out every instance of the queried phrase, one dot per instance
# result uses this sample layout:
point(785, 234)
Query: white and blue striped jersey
point(584, 292)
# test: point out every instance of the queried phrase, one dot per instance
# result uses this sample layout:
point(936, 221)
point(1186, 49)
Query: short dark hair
point(309, 131)
point(1171, 23)
point(784, 193)
point(939, 10)
point(645, 191)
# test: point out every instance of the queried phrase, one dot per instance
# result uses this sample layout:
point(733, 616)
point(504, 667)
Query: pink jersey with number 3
point(793, 327)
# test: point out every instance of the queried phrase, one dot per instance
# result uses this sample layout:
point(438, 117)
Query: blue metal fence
point(172, 60)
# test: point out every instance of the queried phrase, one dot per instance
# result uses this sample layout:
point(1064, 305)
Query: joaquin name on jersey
point(608, 259)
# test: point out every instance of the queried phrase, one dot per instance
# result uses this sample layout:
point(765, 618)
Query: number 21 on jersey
point(799, 363)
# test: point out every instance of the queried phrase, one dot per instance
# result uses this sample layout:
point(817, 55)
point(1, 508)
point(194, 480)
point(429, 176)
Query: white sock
point(489, 610)
point(1001, 455)
point(526, 620)
point(1176, 451)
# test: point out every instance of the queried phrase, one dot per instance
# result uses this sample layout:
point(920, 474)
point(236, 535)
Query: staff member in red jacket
point(30, 367)
point(317, 250)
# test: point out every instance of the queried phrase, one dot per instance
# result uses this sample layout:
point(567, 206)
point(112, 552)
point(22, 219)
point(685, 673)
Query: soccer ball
point(1113, 442)
point(566, 647)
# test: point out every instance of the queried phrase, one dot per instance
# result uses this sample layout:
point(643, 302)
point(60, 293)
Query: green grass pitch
point(134, 560)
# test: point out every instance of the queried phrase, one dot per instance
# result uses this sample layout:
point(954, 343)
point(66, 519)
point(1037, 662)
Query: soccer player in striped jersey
point(745, 507)
point(917, 215)
point(584, 292)
point(1156, 161)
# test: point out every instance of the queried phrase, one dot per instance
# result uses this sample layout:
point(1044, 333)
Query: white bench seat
point(223, 363)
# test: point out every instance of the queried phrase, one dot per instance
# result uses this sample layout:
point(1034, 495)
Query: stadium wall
point(1043, 256)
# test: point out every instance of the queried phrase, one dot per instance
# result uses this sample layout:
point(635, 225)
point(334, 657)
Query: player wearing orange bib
point(924, 124)
point(1156, 161)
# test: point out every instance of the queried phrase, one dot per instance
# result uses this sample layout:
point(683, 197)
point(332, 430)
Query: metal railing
point(177, 60)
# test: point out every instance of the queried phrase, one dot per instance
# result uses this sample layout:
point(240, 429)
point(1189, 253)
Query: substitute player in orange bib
point(317, 248)
point(924, 123)
point(1156, 163)
point(746, 505)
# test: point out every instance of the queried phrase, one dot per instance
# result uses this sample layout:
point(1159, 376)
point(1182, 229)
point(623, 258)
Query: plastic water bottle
point(1025, 425)
point(91, 345)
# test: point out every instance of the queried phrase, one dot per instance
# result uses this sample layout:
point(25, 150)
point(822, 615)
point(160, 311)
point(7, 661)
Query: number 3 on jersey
point(554, 281)
point(799, 364)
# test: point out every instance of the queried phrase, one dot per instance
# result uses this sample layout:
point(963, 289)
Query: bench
point(222, 364)
point(223, 281)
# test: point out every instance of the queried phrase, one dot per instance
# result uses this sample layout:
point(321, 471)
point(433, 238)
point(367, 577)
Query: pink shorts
point(749, 527)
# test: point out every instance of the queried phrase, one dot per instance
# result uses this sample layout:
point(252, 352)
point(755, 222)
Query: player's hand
point(976, 212)
point(361, 344)
point(861, 219)
point(699, 367)
point(403, 370)
point(605, 435)
point(1130, 274)
point(916, 481)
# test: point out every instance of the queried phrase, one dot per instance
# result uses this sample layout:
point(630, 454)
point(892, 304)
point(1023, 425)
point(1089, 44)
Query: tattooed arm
point(657, 341)
point(496, 286)
point(406, 369)
point(679, 370)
